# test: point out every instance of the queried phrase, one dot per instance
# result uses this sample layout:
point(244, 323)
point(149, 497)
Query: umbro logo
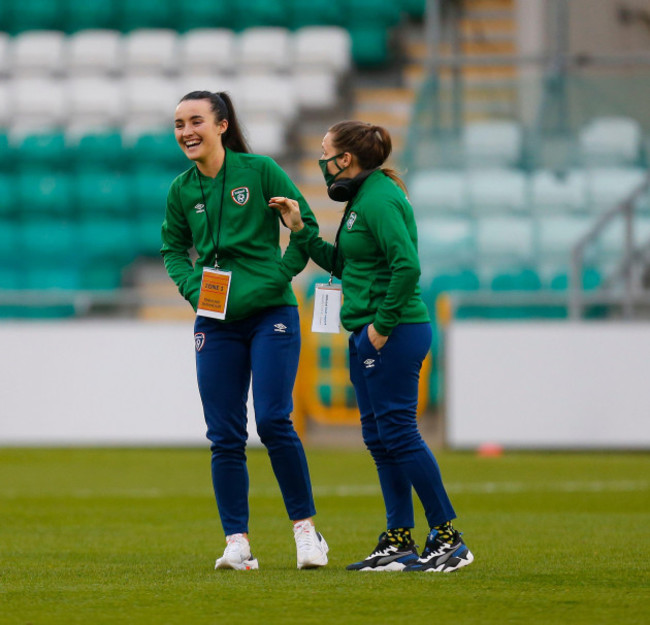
point(280, 327)
point(369, 363)
point(200, 208)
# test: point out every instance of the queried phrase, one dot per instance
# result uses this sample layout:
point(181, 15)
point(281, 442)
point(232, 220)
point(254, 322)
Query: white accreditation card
point(327, 308)
point(213, 298)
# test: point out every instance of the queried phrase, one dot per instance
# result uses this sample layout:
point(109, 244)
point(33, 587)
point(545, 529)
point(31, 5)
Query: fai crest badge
point(351, 219)
point(199, 341)
point(240, 195)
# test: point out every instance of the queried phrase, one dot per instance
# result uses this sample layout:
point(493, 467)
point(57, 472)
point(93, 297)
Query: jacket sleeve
point(176, 244)
point(321, 252)
point(277, 183)
point(386, 222)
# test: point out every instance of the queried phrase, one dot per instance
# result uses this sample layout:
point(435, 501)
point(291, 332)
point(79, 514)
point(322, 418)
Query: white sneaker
point(310, 546)
point(237, 555)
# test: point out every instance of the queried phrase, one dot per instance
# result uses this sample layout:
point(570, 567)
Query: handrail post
point(575, 284)
point(628, 300)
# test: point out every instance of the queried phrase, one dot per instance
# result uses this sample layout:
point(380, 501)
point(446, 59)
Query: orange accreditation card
point(213, 298)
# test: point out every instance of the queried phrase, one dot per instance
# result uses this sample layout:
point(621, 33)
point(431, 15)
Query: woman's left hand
point(290, 212)
point(377, 340)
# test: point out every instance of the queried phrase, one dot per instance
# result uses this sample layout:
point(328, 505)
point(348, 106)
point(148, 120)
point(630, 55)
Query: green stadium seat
point(33, 15)
point(414, 8)
point(47, 149)
point(9, 241)
point(99, 150)
point(250, 13)
point(384, 13)
point(39, 275)
point(148, 191)
point(158, 149)
point(43, 192)
point(203, 14)
point(517, 280)
point(7, 196)
point(134, 14)
point(147, 232)
point(101, 193)
point(369, 45)
point(10, 279)
point(107, 238)
point(83, 15)
point(591, 279)
point(314, 13)
point(54, 277)
point(6, 153)
point(48, 240)
point(101, 275)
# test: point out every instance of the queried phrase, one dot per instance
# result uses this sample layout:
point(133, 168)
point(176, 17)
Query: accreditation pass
point(213, 298)
point(327, 309)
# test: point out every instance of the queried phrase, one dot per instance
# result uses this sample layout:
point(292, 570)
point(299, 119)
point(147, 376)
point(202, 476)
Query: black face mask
point(345, 190)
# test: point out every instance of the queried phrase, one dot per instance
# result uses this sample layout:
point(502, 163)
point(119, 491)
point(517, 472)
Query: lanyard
point(336, 240)
point(207, 216)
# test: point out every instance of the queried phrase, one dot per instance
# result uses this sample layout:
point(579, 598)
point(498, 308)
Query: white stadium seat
point(492, 143)
point(610, 141)
point(499, 190)
point(95, 101)
point(559, 233)
point(438, 191)
point(5, 53)
point(322, 47)
point(207, 50)
point(263, 49)
point(506, 236)
point(40, 101)
point(38, 53)
point(607, 186)
point(94, 52)
point(150, 51)
point(551, 191)
point(315, 89)
point(267, 94)
point(149, 100)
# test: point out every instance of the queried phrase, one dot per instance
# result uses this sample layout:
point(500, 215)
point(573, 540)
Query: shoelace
point(305, 534)
point(234, 544)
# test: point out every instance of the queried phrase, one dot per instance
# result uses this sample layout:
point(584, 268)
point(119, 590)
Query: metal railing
point(629, 269)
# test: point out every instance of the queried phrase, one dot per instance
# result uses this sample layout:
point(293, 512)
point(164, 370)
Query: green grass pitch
point(130, 536)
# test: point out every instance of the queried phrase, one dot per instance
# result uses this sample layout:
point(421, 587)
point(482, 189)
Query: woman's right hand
point(289, 211)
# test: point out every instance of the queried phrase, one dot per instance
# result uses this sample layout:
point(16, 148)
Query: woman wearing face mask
point(247, 322)
point(375, 255)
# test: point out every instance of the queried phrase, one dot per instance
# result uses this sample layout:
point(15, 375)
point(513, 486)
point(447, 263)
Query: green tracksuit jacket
point(377, 258)
point(246, 233)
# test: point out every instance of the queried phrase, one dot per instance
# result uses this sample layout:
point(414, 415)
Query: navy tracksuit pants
point(386, 386)
point(266, 345)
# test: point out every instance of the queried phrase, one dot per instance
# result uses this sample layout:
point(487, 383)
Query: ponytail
point(233, 138)
point(223, 109)
point(371, 145)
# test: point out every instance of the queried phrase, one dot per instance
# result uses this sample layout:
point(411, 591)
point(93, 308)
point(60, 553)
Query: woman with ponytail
point(375, 256)
point(247, 315)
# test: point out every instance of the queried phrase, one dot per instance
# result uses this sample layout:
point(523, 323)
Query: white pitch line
point(357, 490)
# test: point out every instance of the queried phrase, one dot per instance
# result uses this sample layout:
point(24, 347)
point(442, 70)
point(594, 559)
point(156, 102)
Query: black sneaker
point(440, 556)
point(386, 557)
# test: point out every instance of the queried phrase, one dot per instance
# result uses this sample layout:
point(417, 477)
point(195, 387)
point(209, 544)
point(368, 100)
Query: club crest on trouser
point(199, 341)
point(240, 195)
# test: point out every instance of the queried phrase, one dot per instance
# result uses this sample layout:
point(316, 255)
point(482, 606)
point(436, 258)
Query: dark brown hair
point(222, 107)
point(370, 144)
